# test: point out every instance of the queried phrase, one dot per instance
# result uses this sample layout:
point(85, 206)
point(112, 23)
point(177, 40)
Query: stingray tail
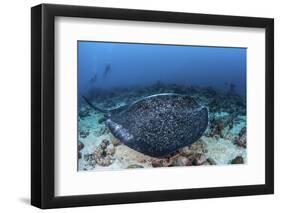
point(95, 107)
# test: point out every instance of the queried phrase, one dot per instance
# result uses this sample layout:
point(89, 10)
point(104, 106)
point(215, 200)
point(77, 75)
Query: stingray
point(157, 125)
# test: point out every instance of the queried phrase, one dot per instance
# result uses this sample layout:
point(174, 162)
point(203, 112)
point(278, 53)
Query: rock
point(220, 125)
point(225, 121)
point(237, 160)
point(211, 161)
point(206, 163)
point(134, 166)
point(199, 147)
point(79, 155)
point(193, 155)
point(182, 161)
point(84, 133)
point(143, 161)
point(103, 130)
point(186, 152)
point(80, 145)
point(199, 160)
point(160, 162)
point(84, 113)
point(87, 157)
point(241, 139)
point(90, 161)
point(104, 161)
point(217, 127)
point(103, 154)
point(104, 144)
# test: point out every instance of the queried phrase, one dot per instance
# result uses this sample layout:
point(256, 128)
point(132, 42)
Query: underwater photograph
point(160, 105)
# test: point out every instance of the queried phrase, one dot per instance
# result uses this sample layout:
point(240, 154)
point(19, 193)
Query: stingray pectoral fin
point(120, 133)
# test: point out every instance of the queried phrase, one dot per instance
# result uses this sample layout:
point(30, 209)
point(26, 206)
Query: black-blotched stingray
point(157, 125)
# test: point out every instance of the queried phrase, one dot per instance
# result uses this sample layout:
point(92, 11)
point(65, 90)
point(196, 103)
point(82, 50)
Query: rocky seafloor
point(224, 142)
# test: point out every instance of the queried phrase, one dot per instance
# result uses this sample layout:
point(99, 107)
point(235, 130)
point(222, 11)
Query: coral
point(84, 133)
point(79, 155)
point(216, 127)
point(188, 156)
point(211, 161)
point(237, 160)
point(223, 142)
point(134, 166)
point(84, 112)
point(199, 159)
point(103, 154)
point(90, 159)
point(214, 105)
point(163, 162)
point(197, 148)
point(241, 139)
point(182, 161)
point(80, 145)
point(220, 125)
point(195, 153)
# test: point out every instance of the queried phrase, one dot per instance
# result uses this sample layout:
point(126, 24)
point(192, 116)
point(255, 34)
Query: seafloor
point(224, 141)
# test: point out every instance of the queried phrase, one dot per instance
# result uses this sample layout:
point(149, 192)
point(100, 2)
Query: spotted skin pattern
point(160, 124)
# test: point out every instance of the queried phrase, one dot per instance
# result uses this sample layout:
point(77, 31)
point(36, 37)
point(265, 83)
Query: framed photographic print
point(139, 106)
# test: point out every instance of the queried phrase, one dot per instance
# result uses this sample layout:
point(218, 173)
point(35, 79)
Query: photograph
point(139, 105)
point(150, 105)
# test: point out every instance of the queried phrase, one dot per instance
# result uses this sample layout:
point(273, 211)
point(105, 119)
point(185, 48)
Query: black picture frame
point(43, 102)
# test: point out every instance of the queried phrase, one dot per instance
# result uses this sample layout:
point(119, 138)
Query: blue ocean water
point(109, 65)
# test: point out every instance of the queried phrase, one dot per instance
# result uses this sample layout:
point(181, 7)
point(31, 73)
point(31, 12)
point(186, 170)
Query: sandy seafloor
point(208, 150)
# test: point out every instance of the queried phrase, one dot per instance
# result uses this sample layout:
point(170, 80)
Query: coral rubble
point(224, 142)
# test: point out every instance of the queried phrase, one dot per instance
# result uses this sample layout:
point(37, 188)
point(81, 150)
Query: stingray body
point(157, 125)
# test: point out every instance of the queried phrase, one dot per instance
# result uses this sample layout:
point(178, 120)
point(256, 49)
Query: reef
point(193, 155)
point(102, 155)
point(80, 147)
point(84, 133)
point(84, 112)
point(223, 143)
point(237, 160)
point(241, 139)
